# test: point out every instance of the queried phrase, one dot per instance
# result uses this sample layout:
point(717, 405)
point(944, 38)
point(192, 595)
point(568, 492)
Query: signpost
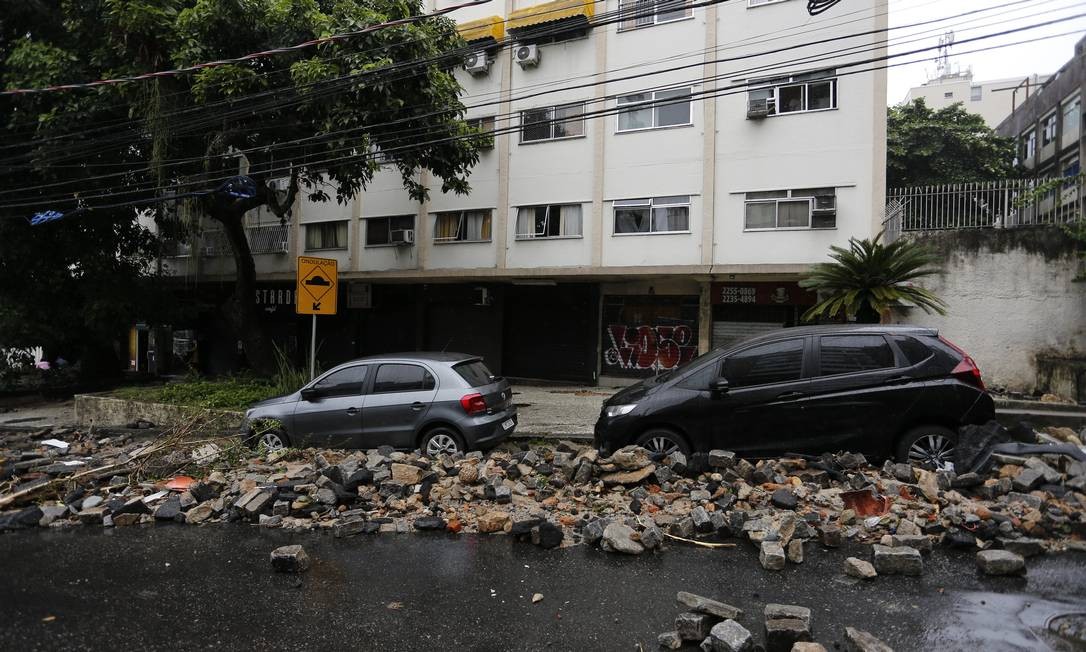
point(318, 281)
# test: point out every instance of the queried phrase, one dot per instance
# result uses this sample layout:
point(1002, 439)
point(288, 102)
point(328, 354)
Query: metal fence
point(266, 239)
point(1010, 203)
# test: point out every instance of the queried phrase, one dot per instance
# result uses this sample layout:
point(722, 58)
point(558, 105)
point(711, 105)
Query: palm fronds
point(869, 277)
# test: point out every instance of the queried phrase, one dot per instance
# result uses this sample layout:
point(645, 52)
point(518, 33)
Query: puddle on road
point(994, 622)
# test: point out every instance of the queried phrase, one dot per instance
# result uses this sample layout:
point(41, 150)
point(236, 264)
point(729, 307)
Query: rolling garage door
point(550, 332)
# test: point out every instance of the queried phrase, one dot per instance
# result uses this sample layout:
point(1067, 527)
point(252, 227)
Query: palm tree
point(869, 277)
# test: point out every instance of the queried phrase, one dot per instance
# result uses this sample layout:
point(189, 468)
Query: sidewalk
point(568, 412)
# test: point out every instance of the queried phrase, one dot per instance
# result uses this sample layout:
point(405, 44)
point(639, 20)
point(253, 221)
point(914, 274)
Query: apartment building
point(1048, 126)
point(993, 100)
point(656, 187)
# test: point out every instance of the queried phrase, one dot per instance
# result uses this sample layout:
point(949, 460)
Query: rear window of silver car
point(474, 372)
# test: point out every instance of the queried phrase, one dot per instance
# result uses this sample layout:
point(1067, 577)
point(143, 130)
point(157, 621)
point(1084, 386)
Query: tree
point(870, 277)
point(950, 145)
point(315, 115)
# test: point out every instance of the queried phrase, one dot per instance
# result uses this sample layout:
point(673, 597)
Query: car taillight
point(966, 370)
point(473, 403)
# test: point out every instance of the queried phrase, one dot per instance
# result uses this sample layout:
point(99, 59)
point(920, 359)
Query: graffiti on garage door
point(646, 347)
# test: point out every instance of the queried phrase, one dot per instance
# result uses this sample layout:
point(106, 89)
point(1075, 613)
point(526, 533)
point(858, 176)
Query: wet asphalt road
point(174, 587)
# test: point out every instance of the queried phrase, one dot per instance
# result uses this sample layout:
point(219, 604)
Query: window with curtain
point(549, 221)
point(656, 215)
point(379, 229)
point(801, 93)
point(326, 235)
point(462, 226)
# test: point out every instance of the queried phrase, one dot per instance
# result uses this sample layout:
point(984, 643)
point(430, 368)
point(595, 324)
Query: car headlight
point(612, 411)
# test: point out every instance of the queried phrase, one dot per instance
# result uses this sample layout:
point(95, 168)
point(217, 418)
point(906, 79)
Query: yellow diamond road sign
point(318, 279)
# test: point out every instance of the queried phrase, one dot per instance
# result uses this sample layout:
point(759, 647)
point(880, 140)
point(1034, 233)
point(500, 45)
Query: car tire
point(442, 440)
point(662, 442)
point(272, 440)
point(929, 447)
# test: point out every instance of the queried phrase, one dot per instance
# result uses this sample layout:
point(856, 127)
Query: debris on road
point(632, 502)
point(290, 559)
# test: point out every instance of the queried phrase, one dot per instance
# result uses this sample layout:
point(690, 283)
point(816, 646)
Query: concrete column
point(708, 155)
point(878, 135)
point(500, 226)
point(423, 241)
point(599, 131)
point(705, 317)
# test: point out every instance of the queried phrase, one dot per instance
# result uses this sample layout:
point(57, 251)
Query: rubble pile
point(717, 627)
point(554, 495)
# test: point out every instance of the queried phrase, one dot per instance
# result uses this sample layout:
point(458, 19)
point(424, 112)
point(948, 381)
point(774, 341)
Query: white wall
point(996, 97)
point(1007, 305)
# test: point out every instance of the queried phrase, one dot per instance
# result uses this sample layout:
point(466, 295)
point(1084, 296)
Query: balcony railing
point(1011, 203)
point(268, 239)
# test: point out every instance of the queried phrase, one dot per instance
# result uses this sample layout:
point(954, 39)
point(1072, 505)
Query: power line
point(695, 96)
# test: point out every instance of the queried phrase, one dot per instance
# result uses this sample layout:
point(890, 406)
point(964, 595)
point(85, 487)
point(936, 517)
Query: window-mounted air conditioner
point(758, 109)
point(526, 55)
point(477, 63)
point(825, 204)
point(403, 237)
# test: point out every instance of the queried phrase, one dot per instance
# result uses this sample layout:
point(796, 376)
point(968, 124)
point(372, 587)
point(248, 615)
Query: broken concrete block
point(775, 611)
point(729, 636)
point(782, 633)
point(859, 568)
point(1000, 562)
point(693, 626)
point(860, 641)
point(897, 561)
point(771, 555)
point(701, 605)
point(290, 559)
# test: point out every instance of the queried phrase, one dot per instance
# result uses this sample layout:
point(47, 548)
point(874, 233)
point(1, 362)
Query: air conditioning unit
point(758, 109)
point(825, 204)
point(483, 297)
point(403, 237)
point(477, 63)
point(526, 55)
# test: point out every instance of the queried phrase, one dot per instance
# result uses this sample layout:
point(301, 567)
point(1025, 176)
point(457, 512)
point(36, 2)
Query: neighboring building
point(1048, 126)
point(993, 100)
point(601, 249)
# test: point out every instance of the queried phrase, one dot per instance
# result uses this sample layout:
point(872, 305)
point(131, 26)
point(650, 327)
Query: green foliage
point(232, 393)
point(288, 377)
point(870, 277)
point(950, 145)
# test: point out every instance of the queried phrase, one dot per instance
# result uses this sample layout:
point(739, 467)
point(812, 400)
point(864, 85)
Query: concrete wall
point(1012, 300)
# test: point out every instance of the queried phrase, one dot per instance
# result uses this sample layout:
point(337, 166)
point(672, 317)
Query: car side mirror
point(719, 385)
point(310, 393)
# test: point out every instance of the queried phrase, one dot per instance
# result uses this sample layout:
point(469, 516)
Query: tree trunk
point(241, 310)
point(867, 314)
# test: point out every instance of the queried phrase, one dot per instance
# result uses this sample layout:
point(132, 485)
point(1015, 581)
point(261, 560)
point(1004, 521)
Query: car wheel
point(271, 440)
point(930, 447)
point(662, 442)
point(442, 441)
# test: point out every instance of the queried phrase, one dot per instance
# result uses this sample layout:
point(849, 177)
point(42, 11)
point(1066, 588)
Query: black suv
point(882, 391)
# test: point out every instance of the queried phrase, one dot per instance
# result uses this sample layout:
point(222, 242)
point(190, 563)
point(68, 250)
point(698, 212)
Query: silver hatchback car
point(436, 402)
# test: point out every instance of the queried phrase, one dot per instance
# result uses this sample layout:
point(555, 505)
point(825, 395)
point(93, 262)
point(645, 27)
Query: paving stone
point(1000, 562)
point(897, 561)
point(782, 633)
point(694, 626)
point(729, 636)
point(698, 604)
point(859, 568)
point(857, 640)
point(290, 559)
point(776, 611)
point(771, 555)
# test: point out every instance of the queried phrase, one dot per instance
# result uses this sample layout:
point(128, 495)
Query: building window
point(658, 215)
point(948, 95)
point(1028, 145)
point(553, 221)
point(1072, 121)
point(485, 128)
point(1048, 129)
point(654, 110)
point(809, 208)
point(462, 226)
point(643, 13)
point(326, 235)
point(379, 229)
point(552, 123)
point(814, 91)
point(976, 93)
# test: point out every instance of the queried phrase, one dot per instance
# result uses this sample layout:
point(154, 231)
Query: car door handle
point(789, 396)
point(416, 406)
point(352, 411)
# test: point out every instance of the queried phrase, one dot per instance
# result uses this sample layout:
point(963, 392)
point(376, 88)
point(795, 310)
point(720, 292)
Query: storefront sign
point(761, 293)
point(270, 298)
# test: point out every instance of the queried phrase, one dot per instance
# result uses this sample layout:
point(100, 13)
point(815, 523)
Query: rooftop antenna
point(942, 62)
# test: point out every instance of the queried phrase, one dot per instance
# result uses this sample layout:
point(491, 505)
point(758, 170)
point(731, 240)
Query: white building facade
point(993, 100)
point(657, 185)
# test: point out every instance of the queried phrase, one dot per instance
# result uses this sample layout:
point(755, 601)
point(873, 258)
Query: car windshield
point(474, 372)
point(671, 373)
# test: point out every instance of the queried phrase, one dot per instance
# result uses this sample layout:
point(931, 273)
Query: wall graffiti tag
point(645, 347)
